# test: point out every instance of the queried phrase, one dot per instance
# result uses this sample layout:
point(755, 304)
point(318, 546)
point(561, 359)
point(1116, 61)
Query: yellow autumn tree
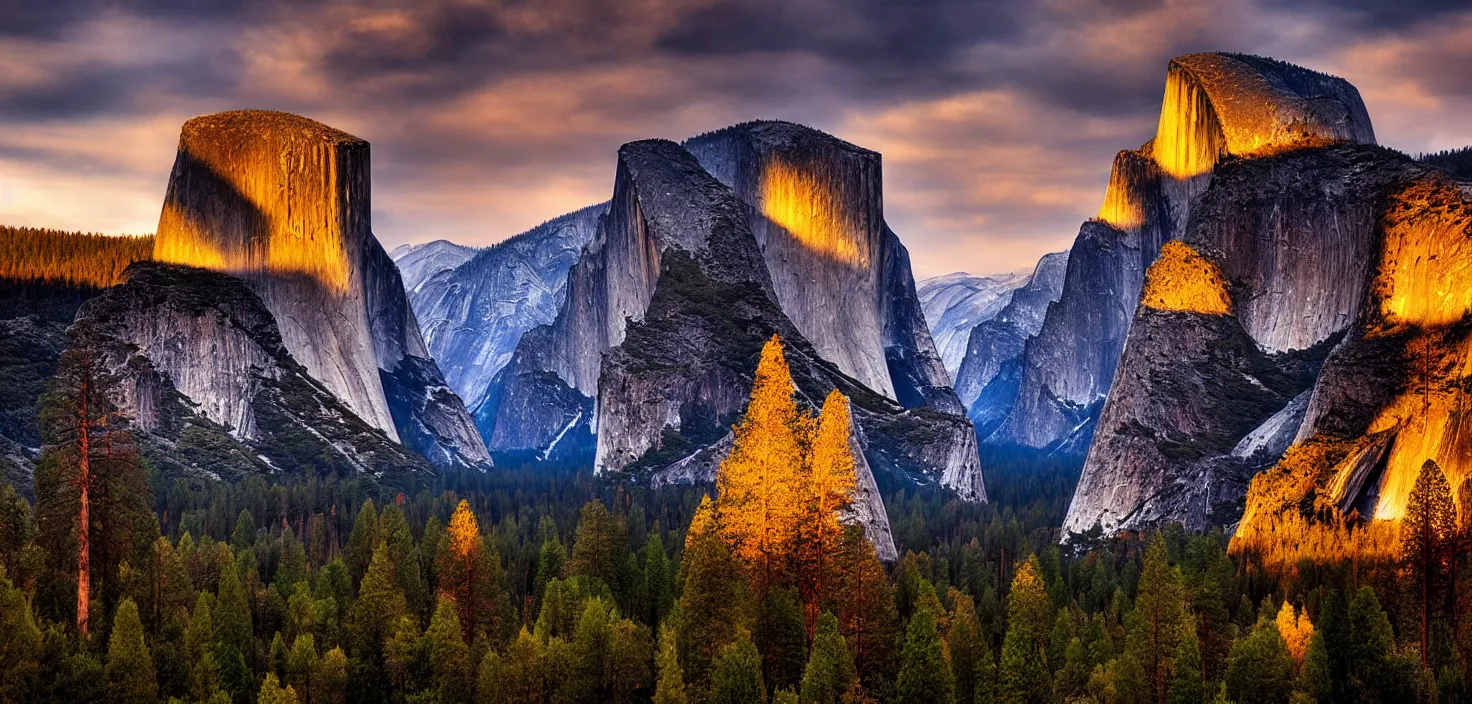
point(468, 572)
point(829, 489)
point(760, 483)
point(1297, 631)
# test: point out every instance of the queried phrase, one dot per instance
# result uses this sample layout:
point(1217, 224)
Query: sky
point(997, 119)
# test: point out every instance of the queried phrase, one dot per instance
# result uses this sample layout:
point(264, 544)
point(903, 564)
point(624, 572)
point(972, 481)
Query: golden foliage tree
point(468, 573)
point(829, 489)
point(1297, 631)
point(760, 483)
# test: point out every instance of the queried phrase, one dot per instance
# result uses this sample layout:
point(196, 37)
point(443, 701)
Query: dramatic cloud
point(997, 119)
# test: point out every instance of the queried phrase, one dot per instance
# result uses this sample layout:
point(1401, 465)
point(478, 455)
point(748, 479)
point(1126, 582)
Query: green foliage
point(1259, 668)
point(830, 673)
point(736, 676)
point(130, 673)
point(925, 675)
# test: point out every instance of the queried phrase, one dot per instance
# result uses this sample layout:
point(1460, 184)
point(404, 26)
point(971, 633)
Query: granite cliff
point(418, 263)
point(1233, 326)
point(1217, 108)
point(282, 202)
point(1001, 338)
point(206, 376)
point(651, 357)
point(956, 303)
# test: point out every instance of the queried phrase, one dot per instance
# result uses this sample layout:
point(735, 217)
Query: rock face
point(205, 373)
point(817, 213)
point(1216, 106)
point(1002, 337)
point(663, 322)
point(474, 314)
point(420, 262)
point(956, 303)
point(282, 202)
point(1391, 394)
point(1230, 332)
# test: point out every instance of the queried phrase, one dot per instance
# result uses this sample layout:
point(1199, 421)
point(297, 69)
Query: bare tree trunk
point(84, 487)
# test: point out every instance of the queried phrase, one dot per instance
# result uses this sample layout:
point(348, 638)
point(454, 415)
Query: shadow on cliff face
point(200, 194)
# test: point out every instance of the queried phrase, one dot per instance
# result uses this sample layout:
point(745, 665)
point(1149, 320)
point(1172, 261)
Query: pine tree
point(232, 617)
point(828, 490)
point(330, 681)
point(92, 494)
point(925, 675)
point(1187, 685)
point(301, 664)
point(658, 589)
point(20, 645)
point(273, 693)
point(244, 535)
point(449, 657)
point(551, 564)
point(671, 686)
point(736, 676)
point(830, 673)
point(866, 611)
point(1023, 676)
point(759, 483)
point(468, 573)
point(781, 637)
point(1259, 668)
point(966, 644)
point(293, 565)
point(130, 673)
point(375, 619)
point(1296, 630)
point(1427, 529)
point(1155, 624)
point(713, 597)
point(362, 541)
point(600, 547)
point(626, 670)
point(394, 532)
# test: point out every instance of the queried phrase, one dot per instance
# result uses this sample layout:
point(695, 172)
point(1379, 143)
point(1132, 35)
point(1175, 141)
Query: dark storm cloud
point(997, 118)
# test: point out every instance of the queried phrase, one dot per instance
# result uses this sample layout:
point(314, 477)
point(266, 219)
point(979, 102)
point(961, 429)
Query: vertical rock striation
point(283, 203)
point(1215, 106)
point(1392, 394)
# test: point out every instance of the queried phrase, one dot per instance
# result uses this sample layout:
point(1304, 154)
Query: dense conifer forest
point(547, 584)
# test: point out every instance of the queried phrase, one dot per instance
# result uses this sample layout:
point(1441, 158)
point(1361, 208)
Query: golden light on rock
point(257, 192)
point(1188, 139)
point(1123, 207)
point(803, 204)
point(1183, 280)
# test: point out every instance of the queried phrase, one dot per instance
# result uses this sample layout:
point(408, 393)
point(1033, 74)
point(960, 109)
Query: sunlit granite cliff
point(1285, 246)
point(1391, 395)
point(660, 331)
point(282, 202)
point(1217, 108)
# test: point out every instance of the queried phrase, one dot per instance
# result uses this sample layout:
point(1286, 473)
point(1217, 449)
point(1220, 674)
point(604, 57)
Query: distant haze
point(997, 120)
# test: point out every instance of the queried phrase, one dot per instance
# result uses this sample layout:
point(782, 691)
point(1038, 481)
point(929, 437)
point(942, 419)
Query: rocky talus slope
point(282, 202)
point(1217, 108)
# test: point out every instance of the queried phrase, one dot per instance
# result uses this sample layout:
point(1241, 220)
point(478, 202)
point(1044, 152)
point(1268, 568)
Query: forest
point(534, 584)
